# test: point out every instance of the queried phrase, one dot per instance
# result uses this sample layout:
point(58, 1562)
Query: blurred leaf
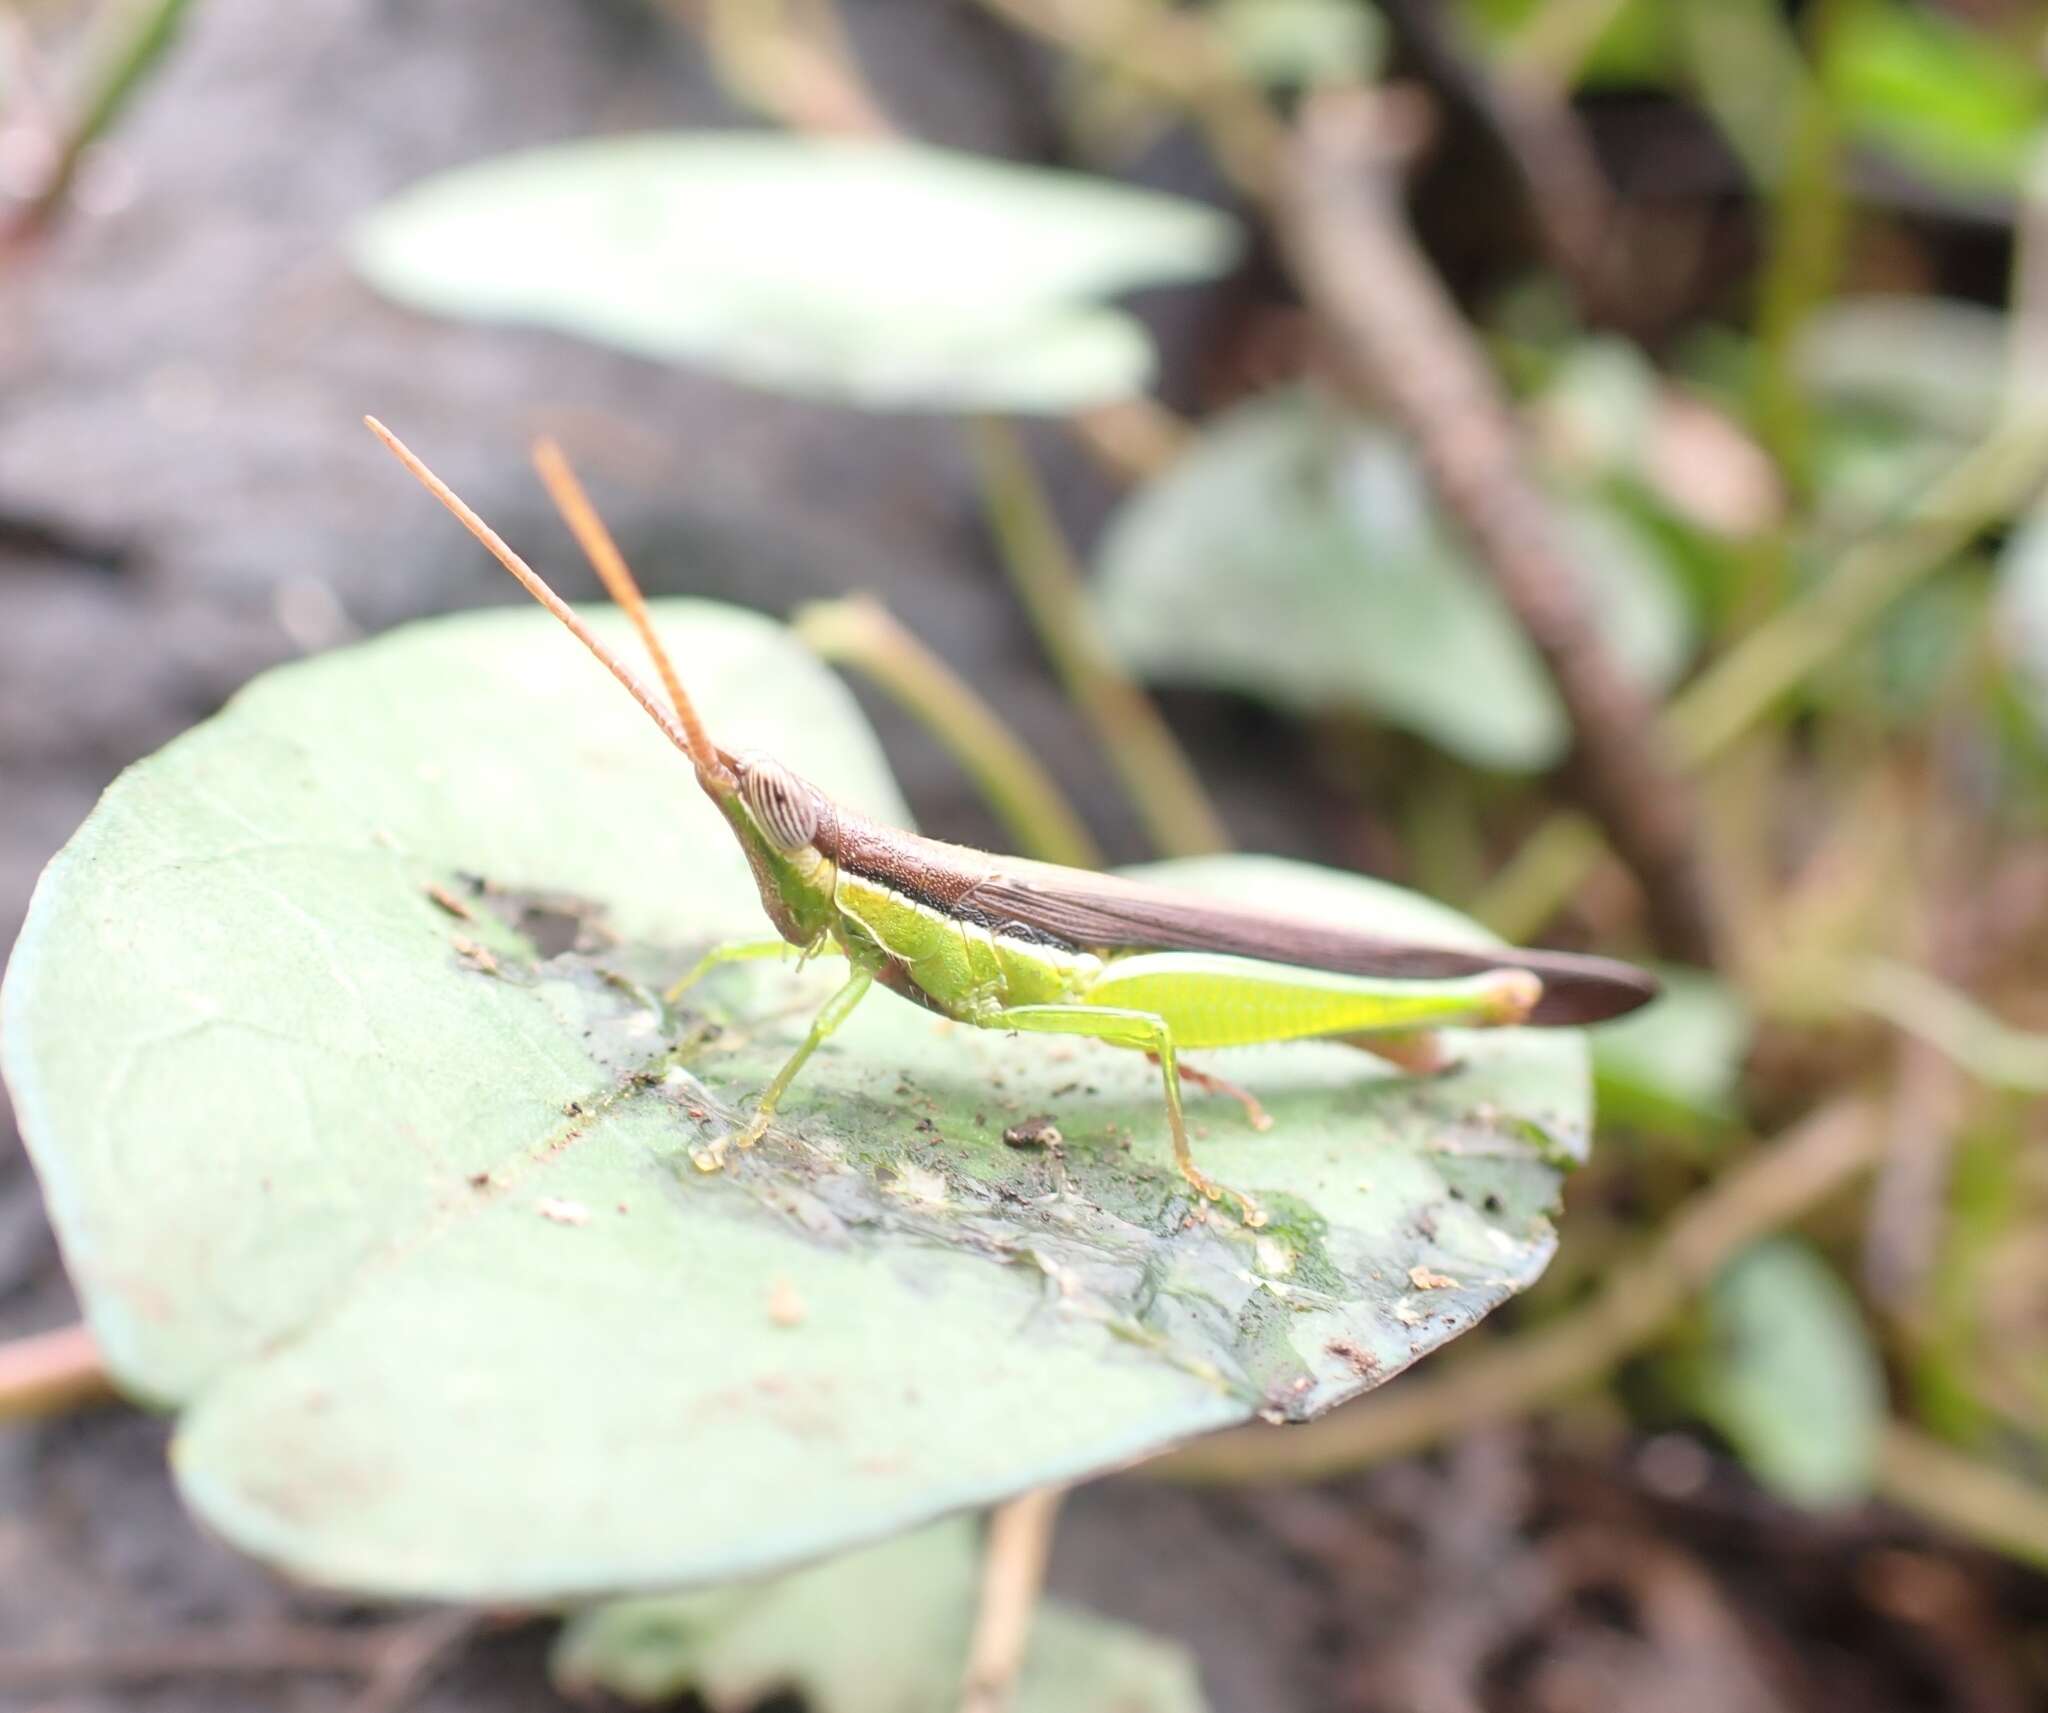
point(394, 1202)
point(2021, 606)
point(1295, 559)
point(1598, 408)
point(1790, 1376)
point(815, 1633)
point(1938, 364)
point(1946, 98)
point(878, 274)
point(1680, 1057)
point(1302, 41)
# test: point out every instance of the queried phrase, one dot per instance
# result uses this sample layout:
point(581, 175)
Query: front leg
point(743, 951)
point(836, 1010)
point(1150, 1034)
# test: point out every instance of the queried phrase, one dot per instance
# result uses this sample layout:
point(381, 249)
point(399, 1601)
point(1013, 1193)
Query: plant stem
point(1172, 52)
point(1406, 348)
point(50, 1373)
point(1808, 225)
point(1166, 790)
point(148, 31)
point(1534, 883)
point(1987, 485)
point(1951, 1022)
point(1765, 1193)
point(859, 632)
point(1013, 1573)
point(1963, 1496)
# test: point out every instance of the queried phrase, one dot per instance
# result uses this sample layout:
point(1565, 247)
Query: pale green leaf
point(396, 1207)
point(880, 274)
point(1790, 1375)
point(815, 1633)
point(1299, 559)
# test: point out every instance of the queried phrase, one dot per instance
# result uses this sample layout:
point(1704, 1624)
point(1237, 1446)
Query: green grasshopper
point(1004, 943)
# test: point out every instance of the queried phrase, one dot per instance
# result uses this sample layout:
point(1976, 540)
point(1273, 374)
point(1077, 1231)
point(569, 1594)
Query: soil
point(186, 497)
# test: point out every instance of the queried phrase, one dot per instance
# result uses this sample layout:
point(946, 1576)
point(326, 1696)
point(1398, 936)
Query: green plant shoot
point(1002, 943)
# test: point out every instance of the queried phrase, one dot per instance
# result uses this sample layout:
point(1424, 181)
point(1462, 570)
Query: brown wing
point(1110, 912)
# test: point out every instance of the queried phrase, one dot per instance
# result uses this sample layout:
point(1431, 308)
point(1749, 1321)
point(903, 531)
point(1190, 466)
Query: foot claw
point(1248, 1210)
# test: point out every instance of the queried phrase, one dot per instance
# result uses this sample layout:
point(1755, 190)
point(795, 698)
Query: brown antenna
point(537, 586)
point(619, 583)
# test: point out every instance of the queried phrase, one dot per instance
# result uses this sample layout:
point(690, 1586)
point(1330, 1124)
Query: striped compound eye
point(785, 806)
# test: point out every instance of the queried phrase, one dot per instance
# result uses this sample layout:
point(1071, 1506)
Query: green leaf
point(1290, 558)
point(1302, 41)
point(878, 274)
point(397, 1208)
point(1790, 1375)
point(1679, 1059)
point(1948, 99)
point(814, 1633)
point(1936, 364)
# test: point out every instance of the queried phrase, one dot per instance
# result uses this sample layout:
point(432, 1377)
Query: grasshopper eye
point(784, 805)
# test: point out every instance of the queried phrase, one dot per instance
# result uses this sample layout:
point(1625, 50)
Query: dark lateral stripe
point(892, 877)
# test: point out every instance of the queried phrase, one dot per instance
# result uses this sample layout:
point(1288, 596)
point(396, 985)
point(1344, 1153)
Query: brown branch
point(1762, 1195)
point(51, 1372)
point(1405, 347)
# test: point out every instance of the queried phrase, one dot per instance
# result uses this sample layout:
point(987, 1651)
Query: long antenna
point(536, 586)
point(619, 583)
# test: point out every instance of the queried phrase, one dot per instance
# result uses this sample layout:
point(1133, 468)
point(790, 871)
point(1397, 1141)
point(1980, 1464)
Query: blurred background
point(1575, 458)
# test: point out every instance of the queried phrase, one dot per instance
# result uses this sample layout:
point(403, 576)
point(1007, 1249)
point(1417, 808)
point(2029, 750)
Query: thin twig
point(1134, 439)
point(1408, 349)
point(1902, 1225)
point(1013, 1573)
point(1929, 1009)
point(50, 1373)
point(1962, 1495)
point(1171, 52)
point(1155, 771)
point(791, 59)
point(1765, 1193)
point(1803, 252)
point(392, 1658)
point(1555, 41)
point(1526, 110)
point(859, 632)
point(1532, 885)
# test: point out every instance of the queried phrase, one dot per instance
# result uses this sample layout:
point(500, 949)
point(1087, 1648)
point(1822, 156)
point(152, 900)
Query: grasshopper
point(1005, 943)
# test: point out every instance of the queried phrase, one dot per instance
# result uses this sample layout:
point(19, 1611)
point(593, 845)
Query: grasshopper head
point(781, 820)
